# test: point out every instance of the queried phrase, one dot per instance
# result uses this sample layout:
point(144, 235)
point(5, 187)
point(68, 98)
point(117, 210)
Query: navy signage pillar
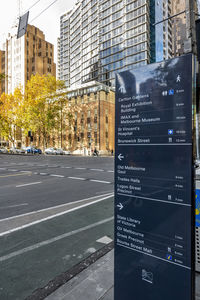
point(154, 204)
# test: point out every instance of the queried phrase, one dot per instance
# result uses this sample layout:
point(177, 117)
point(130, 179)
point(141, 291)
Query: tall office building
point(64, 48)
point(27, 55)
point(160, 32)
point(101, 37)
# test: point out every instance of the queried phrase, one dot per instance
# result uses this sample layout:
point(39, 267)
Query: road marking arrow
point(120, 206)
point(120, 157)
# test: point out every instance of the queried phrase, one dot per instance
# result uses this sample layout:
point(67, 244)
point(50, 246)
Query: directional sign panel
point(22, 27)
point(154, 212)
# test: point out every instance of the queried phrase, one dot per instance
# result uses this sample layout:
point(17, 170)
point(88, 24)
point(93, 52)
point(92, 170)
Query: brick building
point(27, 55)
point(87, 120)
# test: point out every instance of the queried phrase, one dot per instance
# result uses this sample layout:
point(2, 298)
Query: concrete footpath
point(95, 283)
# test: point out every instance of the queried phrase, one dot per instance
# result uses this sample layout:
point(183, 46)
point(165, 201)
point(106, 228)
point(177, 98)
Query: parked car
point(3, 150)
point(66, 152)
point(38, 150)
point(59, 151)
point(49, 151)
point(32, 150)
point(23, 150)
point(14, 150)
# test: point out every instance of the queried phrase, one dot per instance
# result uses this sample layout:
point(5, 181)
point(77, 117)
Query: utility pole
point(19, 8)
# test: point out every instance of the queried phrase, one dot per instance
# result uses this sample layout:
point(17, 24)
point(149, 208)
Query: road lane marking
point(77, 178)
point(13, 175)
point(104, 197)
point(55, 175)
point(25, 172)
point(100, 181)
point(11, 206)
point(2, 168)
point(110, 171)
point(43, 174)
point(12, 170)
point(58, 206)
point(53, 240)
point(99, 170)
point(27, 184)
point(104, 240)
point(80, 168)
point(66, 167)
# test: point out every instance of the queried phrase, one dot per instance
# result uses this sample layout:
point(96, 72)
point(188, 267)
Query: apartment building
point(63, 48)
point(27, 55)
point(100, 38)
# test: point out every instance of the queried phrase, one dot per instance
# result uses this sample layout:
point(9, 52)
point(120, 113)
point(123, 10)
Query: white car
point(59, 151)
point(66, 152)
point(50, 151)
point(3, 150)
point(14, 150)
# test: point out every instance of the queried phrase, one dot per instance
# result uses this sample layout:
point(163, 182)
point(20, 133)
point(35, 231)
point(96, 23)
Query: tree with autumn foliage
point(10, 117)
point(41, 108)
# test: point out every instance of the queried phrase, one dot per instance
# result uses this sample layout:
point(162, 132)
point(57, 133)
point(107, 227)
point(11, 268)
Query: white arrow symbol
point(120, 156)
point(120, 206)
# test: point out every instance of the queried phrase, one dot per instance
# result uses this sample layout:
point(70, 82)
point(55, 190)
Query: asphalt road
point(54, 212)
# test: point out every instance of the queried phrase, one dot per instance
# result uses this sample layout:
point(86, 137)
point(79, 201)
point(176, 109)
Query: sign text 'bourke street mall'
point(154, 228)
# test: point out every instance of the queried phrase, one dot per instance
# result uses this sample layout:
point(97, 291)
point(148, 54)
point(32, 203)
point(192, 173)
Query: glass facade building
point(107, 36)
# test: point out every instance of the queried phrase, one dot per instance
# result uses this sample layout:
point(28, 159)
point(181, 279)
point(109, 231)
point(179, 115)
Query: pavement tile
point(95, 281)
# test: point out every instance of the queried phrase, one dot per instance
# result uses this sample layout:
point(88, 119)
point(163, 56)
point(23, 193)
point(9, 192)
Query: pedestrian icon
point(178, 79)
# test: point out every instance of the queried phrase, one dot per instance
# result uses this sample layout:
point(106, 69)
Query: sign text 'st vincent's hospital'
point(153, 182)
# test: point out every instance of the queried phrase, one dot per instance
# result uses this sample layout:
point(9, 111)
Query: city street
point(54, 212)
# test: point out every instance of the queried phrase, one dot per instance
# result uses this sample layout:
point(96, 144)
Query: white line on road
point(25, 172)
point(43, 173)
point(12, 170)
point(77, 178)
point(2, 168)
point(104, 197)
point(99, 170)
point(27, 184)
point(100, 181)
point(104, 240)
point(80, 168)
point(110, 171)
point(66, 167)
point(53, 240)
point(110, 193)
point(11, 206)
point(55, 175)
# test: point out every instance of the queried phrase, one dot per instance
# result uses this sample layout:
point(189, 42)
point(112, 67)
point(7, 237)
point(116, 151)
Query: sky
point(48, 22)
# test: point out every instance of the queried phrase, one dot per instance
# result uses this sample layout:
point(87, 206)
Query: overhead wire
point(43, 10)
point(32, 5)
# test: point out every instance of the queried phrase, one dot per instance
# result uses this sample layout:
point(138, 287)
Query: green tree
point(10, 116)
point(41, 107)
